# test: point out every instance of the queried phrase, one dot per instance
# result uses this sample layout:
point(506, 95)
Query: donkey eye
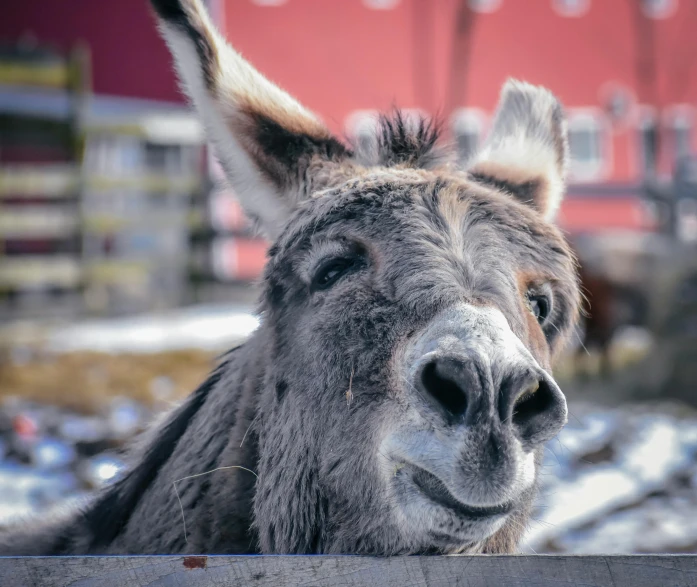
point(331, 271)
point(540, 306)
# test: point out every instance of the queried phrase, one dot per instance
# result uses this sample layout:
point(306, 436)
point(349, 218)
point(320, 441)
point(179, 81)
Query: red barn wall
point(128, 56)
point(339, 57)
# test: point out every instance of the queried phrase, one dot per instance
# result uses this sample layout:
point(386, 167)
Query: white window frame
point(269, 3)
point(485, 6)
point(581, 8)
point(363, 122)
point(381, 4)
point(666, 9)
point(584, 119)
point(686, 219)
point(472, 121)
point(678, 116)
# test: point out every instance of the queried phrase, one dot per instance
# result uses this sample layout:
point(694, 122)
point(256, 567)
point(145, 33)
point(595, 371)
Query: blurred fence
point(107, 206)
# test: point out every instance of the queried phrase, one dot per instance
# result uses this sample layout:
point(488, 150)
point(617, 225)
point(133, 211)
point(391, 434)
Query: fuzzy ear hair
point(271, 148)
point(527, 151)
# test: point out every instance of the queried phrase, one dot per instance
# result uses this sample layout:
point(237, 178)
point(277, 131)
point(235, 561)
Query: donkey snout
point(462, 389)
point(468, 368)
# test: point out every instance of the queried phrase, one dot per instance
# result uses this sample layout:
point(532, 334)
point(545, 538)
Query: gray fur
point(327, 393)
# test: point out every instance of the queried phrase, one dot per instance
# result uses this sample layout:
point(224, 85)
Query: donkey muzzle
point(469, 369)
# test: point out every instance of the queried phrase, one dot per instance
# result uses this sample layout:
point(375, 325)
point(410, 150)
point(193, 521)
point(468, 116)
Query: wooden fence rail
point(351, 571)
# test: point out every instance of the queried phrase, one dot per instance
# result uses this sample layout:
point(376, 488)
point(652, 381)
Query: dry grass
point(85, 381)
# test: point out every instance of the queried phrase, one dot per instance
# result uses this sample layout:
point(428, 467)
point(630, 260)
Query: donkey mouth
point(436, 491)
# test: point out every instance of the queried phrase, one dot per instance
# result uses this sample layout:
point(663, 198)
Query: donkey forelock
point(397, 395)
point(403, 141)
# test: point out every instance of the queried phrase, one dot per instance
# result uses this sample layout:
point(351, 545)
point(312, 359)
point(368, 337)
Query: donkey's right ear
point(268, 144)
point(527, 151)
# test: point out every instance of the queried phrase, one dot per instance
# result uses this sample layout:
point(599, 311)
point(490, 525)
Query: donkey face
point(410, 313)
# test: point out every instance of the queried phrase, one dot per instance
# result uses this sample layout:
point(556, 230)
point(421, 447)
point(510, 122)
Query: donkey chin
point(462, 462)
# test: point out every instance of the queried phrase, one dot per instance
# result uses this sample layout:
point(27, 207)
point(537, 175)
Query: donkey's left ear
point(527, 151)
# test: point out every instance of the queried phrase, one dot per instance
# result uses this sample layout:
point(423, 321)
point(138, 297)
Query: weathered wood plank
point(351, 571)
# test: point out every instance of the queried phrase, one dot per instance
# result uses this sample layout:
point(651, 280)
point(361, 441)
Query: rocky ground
point(50, 455)
point(619, 480)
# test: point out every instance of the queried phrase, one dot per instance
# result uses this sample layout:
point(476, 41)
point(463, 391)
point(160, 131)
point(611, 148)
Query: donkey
point(397, 394)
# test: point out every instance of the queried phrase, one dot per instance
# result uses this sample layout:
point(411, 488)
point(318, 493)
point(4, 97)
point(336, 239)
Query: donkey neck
point(192, 484)
point(223, 497)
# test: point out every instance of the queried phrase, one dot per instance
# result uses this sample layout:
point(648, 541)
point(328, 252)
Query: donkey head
point(411, 312)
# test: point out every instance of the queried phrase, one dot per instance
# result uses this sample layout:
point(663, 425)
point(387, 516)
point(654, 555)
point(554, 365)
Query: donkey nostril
point(438, 379)
point(532, 401)
point(537, 411)
point(526, 395)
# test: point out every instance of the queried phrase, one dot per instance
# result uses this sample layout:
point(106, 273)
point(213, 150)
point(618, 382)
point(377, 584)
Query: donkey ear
point(270, 147)
point(527, 151)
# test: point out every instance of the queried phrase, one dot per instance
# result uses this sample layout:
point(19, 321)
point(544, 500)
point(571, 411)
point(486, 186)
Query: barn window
point(381, 4)
point(686, 219)
point(588, 146)
point(571, 8)
point(467, 129)
point(679, 134)
point(648, 134)
point(484, 5)
point(659, 8)
point(269, 2)
point(361, 127)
